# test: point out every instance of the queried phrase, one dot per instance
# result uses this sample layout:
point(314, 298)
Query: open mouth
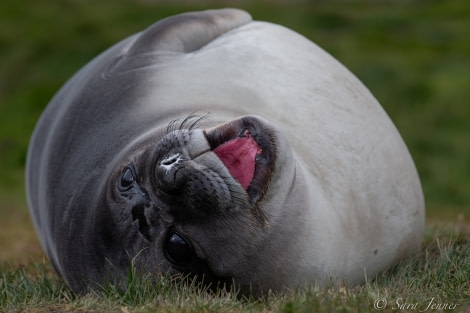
point(246, 148)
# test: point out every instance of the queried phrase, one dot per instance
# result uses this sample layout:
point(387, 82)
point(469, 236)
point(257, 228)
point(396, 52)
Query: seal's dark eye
point(127, 179)
point(177, 250)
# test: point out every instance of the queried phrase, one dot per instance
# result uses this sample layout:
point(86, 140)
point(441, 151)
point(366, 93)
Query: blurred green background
point(413, 55)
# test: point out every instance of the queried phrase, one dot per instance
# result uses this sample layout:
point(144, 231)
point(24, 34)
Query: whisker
point(188, 123)
point(198, 119)
point(171, 126)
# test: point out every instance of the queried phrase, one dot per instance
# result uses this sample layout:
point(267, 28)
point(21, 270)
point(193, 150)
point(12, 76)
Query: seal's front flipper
point(188, 32)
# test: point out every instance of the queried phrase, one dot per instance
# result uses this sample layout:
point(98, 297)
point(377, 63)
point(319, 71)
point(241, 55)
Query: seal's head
point(193, 202)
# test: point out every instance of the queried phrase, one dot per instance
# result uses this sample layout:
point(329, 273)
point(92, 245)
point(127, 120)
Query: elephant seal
point(233, 150)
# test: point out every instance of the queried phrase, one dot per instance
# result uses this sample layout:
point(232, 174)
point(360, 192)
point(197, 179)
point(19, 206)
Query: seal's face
point(192, 202)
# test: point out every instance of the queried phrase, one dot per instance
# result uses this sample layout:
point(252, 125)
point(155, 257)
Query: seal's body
point(295, 176)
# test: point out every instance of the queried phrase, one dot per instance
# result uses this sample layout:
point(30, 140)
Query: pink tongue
point(238, 155)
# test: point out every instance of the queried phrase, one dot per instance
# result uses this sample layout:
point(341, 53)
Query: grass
point(413, 56)
point(437, 275)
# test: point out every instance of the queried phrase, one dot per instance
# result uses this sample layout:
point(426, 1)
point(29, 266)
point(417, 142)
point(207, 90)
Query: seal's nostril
point(166, 170)
point(169, 162)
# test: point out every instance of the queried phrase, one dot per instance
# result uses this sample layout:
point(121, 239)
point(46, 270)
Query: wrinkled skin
point(123, 166)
